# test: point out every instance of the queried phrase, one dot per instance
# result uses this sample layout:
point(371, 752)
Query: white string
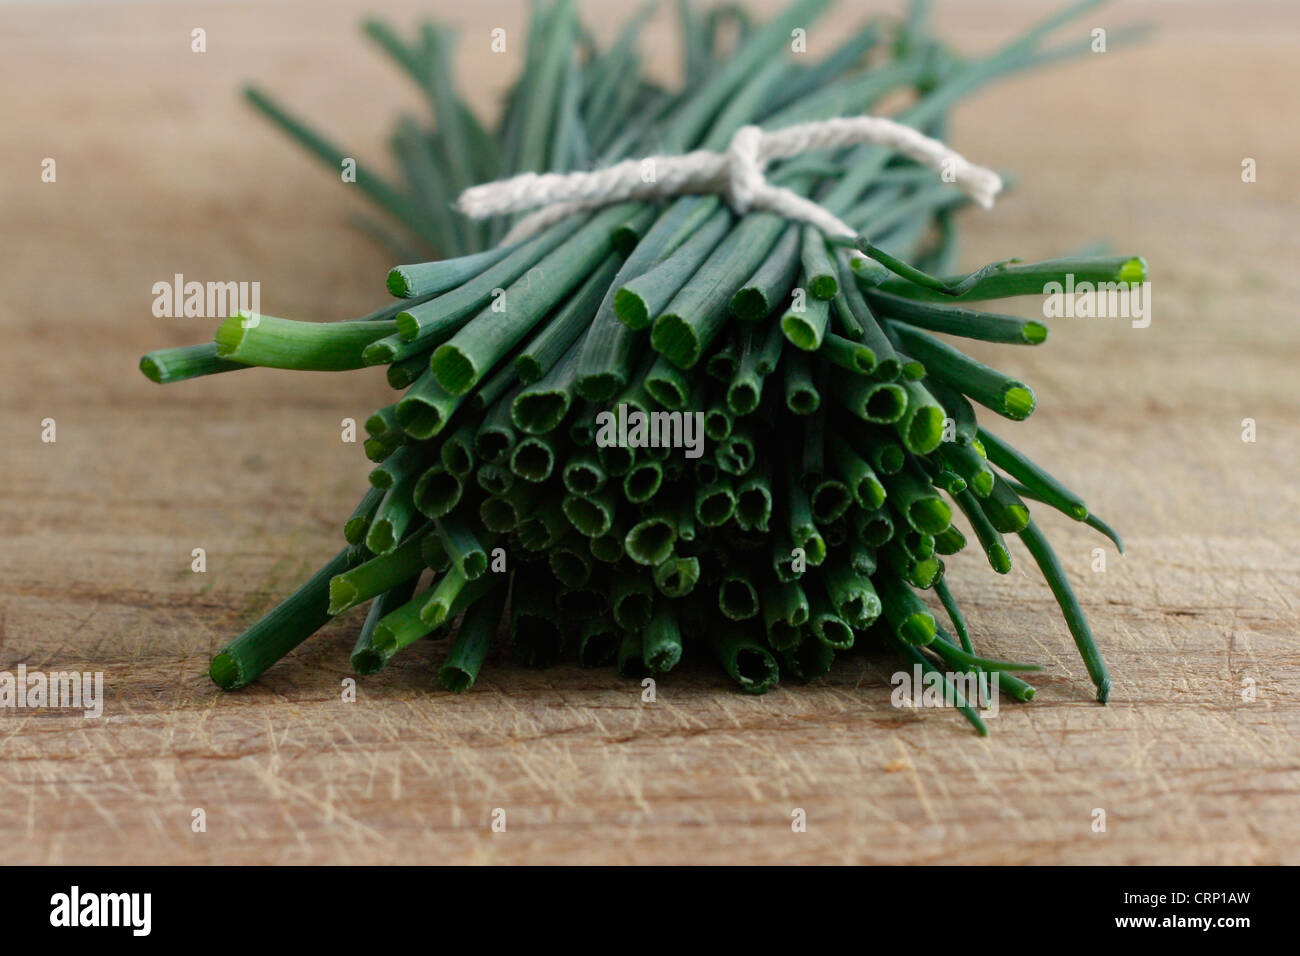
point(736, 175)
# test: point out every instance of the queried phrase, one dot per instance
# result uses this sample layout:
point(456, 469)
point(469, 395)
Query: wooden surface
point(161, 169)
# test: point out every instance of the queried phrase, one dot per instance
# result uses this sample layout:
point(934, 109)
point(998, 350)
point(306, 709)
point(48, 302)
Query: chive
point(570, 321)
point(437, 492)
point(543, 529)
point(821, 278)
point(591, 514)
point(717, 420)
point(651, 540)
point(402, 373)
point(165, 366)
point(533, 458)
point(365, 659)
point(909, 621)
point(677, 577)
point(582, 428)
point(921, 426)
point(715, 504)
point(1029, 279)
point(422, 326)
point(583, 475)
point(503, 513)
point(1092, 521)
point(736, 454)
point(571, 566)
point(379, 448)
point(954, 320)
point(803, 529)
point(974, 469)
point(760, 350)
point(808, 660)
point(958, 697)
point(771, 281)
point(457, 451)
point(949, 540)
point(668, 385)
point(866, 488)
point(847, 354)
point(830, 500)
point(478, 345)
point(598, 642)
point(617, 460)
point(828, 626)
point(990, 540)
point(872, 401)
point(539, 408)
point(431, 278)
point(1005, 509)
point(785, 611)
point(1020, 467)
point(862, 559)
point(394, 514)
point(661, 647)
point(363, 581)
point(871, 334)
point(992, 389)
point(874, 528)
point(382, 420)
point(1054, 574)
point(400, 628)
point(495, 436)
point(801, 395)
point(958, 409)
point(698, 311)
point(954, 614)
point(282, 629)
point(470, 649)
point(611, 347)
point(632, 599)
point(426, 408)
point(462, 546)
point(607, 547)
point(631, 663)
point(494, 479)
point(642, 482)
point(753, 509)
point(806, 327)
point(354, 530)
point(853, 596)
point(723, 364)
point(737, 597)
point(747, 662)
point(283, 343)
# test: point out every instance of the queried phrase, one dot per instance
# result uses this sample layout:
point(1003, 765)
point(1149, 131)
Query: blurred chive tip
point(843, 415)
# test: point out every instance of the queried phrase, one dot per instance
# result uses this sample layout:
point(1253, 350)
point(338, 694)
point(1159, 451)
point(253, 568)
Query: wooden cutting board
point(161, 169)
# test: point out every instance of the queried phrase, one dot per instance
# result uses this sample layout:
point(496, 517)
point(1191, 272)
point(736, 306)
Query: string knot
point(736, 174)
point(745, 179)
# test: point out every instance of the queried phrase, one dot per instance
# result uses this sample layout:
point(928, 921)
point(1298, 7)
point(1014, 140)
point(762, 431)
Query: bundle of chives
point(804, 435)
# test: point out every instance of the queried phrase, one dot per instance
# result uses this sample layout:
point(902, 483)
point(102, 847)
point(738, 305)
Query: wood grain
point(162, 170)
